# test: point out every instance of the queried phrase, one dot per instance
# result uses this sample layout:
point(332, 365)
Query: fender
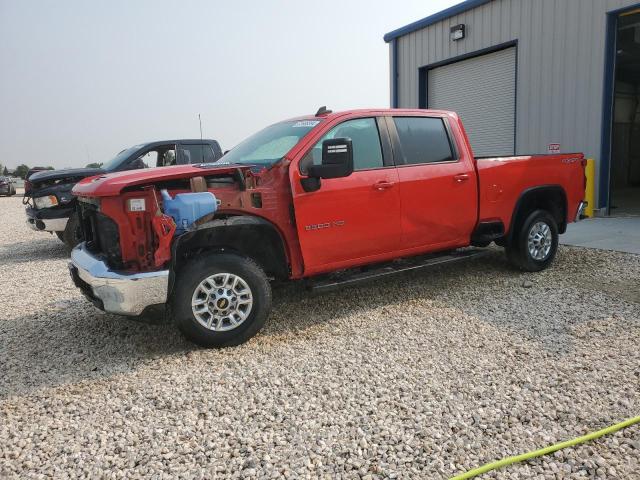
point(248, 235)
point(541, 196)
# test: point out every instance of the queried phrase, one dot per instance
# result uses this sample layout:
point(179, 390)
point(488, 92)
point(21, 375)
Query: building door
point(482, 90)
point(624, 176)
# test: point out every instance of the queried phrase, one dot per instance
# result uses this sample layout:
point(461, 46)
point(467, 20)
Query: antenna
point(200, 121)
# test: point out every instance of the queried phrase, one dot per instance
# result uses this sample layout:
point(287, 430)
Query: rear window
point(196, 154)
point(423, 140)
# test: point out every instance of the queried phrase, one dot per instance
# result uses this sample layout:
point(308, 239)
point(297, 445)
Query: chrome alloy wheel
point(539, 241)
point(222, 302)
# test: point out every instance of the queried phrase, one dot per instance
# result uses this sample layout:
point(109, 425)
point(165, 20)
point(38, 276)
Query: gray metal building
point(533, 76)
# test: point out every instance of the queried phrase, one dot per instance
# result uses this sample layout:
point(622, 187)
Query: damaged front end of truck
point(140, 226)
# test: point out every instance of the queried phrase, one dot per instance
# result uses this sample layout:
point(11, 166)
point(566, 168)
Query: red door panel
point(439, 203)
point(348, 218)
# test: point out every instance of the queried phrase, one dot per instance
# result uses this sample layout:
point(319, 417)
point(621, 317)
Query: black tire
point(60, 235)
point(517, 249)
point(188, 280)
point(72, 234)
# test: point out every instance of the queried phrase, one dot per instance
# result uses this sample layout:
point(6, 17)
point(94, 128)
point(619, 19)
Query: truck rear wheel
point(221, 300)
point(534, 244)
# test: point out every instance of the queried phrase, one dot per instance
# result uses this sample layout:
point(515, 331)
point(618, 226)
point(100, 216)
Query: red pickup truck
point(332, 198)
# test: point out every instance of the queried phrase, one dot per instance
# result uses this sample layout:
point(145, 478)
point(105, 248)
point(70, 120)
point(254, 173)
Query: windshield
point(116, 161)
point(271, 144)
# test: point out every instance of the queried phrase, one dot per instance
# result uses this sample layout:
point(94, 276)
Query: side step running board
point(349, 277)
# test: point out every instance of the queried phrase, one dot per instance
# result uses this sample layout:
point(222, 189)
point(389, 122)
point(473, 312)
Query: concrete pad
point(621, 234)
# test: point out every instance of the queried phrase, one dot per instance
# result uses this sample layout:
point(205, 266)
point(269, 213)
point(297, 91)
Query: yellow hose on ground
point(544, 451)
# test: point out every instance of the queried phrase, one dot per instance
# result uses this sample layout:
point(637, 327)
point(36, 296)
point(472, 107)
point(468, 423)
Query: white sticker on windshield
point(306, 123)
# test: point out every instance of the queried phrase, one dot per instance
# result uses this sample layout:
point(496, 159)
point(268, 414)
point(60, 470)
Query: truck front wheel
point(221, 300)
point(534, 244)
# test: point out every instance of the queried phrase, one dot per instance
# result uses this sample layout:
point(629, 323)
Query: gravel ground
point(422, 375)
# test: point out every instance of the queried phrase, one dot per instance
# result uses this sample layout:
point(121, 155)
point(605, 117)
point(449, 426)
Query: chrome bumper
point(48, 225)
point(114, 292)
point(580, 213)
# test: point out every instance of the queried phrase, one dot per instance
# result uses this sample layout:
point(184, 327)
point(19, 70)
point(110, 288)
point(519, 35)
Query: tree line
point(20, 171)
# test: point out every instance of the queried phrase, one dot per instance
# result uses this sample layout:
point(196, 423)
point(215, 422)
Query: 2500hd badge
point(320, 226)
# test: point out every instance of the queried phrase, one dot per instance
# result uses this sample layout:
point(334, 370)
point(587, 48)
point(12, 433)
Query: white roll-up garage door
point(482, 90)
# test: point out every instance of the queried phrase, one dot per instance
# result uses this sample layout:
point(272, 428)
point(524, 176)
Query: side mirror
point(337, 159)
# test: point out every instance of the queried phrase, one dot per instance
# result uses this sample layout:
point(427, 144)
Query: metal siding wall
point(560, 65)
point(484, 99)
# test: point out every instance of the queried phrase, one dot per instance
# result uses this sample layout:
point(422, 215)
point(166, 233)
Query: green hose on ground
point(544, 451)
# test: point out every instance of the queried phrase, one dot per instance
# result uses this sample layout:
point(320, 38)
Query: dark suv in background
point(52, 208)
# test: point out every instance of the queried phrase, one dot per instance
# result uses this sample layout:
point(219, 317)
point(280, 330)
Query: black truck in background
point(52, 208)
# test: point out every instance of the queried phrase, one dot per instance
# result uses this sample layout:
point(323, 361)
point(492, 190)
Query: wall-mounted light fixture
point(458, 32)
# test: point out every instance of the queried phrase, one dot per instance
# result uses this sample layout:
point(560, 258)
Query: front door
point(158, 156)
point(353, 218)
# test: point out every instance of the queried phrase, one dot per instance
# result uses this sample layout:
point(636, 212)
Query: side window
point(363, 132)
point(423, 140)
point(158, 157)
point(196, 154)
point(146, 160)
point(166, 157)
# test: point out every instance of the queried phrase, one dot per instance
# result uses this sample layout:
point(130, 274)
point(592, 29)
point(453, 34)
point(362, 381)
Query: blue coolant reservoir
point(186, 208)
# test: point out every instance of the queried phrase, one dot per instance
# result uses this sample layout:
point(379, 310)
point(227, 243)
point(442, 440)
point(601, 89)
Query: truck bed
point(503, 180)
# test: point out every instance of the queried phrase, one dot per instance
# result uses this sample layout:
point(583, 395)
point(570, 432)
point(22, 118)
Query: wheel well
point(248, 236)
point(551, 198)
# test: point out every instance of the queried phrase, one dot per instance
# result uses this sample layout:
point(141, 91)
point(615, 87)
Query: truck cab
point(307, 198)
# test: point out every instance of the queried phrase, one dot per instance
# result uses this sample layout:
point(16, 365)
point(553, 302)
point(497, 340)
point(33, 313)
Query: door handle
point(382, 185)
point(463, 177)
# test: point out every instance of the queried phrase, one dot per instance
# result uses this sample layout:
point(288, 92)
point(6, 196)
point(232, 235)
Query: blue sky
point(82, 80)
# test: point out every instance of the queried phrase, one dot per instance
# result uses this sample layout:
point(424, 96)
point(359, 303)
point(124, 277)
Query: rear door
point(352, 218)
point(438, 188)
